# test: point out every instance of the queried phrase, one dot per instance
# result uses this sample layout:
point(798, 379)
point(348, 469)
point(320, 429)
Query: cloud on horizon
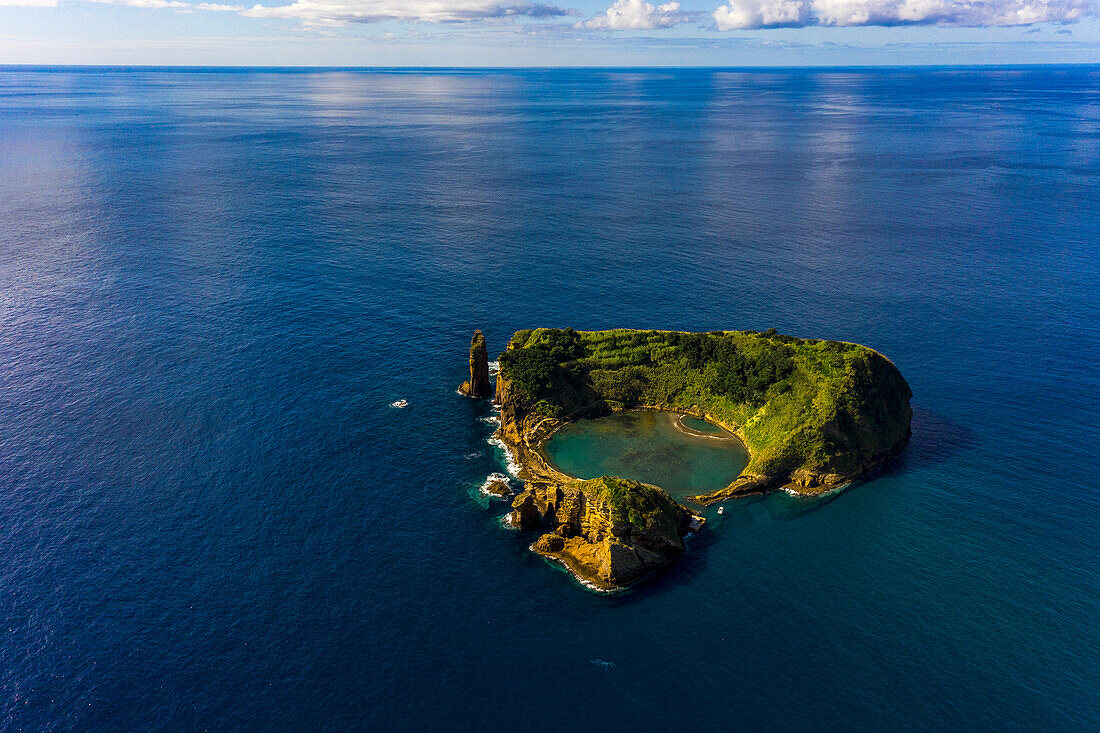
point(639, 15)
point(163, 4)
point(379, 11)
point(347, 11)
point(635, 15)
point(760, 14)
point(147, 4)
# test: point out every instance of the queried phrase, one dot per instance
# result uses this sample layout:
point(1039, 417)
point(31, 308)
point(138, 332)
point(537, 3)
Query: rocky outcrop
point(610, 532)
point(525, 512)
point(478, 386)
point(498, 488)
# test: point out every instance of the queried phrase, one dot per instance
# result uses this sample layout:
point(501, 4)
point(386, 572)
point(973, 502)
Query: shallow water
point(699, 425)
point(647, 446)
point(213, 284)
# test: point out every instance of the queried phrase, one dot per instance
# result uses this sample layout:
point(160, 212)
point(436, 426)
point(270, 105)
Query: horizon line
point(602, 67)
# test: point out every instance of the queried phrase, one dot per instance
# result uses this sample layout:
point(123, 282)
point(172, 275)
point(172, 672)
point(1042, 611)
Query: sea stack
point(478, 387)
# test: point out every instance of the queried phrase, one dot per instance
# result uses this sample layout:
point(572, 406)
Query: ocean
point(216, 282)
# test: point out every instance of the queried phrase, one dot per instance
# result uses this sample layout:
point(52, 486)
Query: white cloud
point(636, 15)
point(642, 15)
point(377, 11)
point(167, 4)
point(749, 14)
point(761, 14)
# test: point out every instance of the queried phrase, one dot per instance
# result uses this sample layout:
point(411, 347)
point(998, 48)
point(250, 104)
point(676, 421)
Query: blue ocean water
point(214, 283)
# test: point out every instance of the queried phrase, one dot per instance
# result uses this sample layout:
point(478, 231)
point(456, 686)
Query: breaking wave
point(819, 495)
point(490, 479)
point(509, 460)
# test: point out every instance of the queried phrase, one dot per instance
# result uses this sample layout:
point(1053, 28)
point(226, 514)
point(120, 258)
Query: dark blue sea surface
point(214, 283)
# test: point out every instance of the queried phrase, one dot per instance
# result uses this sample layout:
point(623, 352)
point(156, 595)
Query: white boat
point(721, 510)
point(400, 403)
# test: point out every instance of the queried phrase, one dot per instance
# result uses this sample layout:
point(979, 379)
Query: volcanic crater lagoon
point(681, 454)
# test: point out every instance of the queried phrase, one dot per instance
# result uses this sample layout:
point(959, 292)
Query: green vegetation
point(534, 366)
point(822, 406)
point(648, 508)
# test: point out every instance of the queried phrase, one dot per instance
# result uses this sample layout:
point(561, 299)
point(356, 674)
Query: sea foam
point(819, 495)
point(492, 478)
point(509, 460)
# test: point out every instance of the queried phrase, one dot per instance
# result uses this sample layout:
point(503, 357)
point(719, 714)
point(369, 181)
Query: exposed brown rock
point(498, 488)
point(478, 387)
point(525, 513)
point(549, 543)
point(611, 532)
point(619, 531)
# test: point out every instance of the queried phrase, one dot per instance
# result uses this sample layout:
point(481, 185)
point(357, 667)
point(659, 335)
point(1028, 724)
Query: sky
point(548, 32)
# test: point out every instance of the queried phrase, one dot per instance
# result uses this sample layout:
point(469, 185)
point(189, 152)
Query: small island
point(813, 415)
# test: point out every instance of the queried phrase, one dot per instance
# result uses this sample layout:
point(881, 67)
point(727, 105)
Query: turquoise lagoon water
point(699, 425)
point(216, 282)
point(649, 446)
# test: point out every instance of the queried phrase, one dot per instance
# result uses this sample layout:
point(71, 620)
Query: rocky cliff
point(478, 386)
point(609, 532)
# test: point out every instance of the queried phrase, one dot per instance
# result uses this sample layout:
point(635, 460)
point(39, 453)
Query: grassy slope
point(648, 508)
point(821, 406)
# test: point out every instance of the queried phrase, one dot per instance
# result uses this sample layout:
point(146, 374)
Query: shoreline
point(539, 448)
point(677, 422)
point(742, 486)
point(588, 585)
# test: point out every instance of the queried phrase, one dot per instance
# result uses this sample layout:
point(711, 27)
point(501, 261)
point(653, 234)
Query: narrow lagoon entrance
point(683, 455)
